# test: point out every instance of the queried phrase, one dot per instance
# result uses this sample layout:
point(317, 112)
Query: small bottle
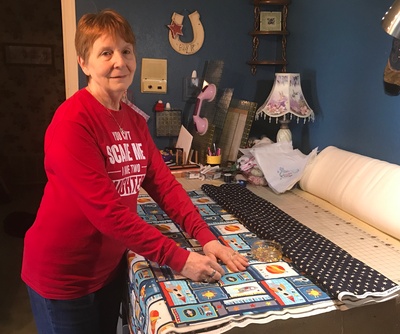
point(159, 106)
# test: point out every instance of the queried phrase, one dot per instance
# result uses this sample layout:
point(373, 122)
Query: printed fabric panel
point(163, 301)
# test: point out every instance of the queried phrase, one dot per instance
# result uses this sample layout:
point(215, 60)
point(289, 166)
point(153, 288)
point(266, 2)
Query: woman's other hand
point(202, 268)
point(217, 251)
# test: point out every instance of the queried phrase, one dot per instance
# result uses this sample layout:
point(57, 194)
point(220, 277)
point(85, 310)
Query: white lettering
point(126, 135)
point(117, 135)
point(119, 153)
point(129, 185)
point(135, 168)
point(110, 156)
point(137, 150)
point(125, 170)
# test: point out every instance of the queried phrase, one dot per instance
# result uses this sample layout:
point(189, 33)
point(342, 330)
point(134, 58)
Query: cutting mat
point(362, 241)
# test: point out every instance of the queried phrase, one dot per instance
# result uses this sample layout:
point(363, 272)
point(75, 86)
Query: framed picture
point(270, 21)
point(28, 54)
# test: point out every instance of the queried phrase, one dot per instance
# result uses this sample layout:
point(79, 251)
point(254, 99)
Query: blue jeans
point(94, 313)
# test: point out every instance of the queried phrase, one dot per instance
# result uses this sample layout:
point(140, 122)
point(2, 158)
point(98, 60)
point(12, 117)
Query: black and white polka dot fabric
point(331, 267)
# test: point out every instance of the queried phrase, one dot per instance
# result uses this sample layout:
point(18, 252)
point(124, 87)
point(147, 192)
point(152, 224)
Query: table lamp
point(285, 101)
point(391, 20)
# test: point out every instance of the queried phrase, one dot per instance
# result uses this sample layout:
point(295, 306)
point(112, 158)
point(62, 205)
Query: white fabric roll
point(367, 188)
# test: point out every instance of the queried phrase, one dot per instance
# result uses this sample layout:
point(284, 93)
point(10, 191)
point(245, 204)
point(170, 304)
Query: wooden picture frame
point(270, 21)
point(28, 54)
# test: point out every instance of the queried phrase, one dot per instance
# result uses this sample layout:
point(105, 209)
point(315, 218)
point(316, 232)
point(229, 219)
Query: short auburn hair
point(91, 26)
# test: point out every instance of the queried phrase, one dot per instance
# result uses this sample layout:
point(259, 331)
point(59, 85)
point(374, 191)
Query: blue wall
point(339, 49)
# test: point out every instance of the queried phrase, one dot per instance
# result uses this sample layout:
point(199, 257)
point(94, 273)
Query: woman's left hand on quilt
point(234, 261)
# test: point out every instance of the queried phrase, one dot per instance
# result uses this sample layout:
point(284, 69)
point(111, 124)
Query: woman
point(98, 153)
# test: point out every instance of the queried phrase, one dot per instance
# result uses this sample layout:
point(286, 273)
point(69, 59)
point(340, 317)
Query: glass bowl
point(266, 251)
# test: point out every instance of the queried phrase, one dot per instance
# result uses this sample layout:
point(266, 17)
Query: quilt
point(162, 301)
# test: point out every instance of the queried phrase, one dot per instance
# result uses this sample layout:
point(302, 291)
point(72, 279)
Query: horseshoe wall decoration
point(188, 48)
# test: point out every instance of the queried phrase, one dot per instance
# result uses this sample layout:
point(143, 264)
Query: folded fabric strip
point(341, 275)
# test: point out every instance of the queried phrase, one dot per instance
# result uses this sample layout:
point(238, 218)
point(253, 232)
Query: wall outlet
point(154, 76)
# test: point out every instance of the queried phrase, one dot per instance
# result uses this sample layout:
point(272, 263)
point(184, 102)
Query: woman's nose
point(119, 59)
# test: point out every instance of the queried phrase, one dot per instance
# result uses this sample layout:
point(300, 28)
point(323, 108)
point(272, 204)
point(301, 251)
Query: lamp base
point(284, 133)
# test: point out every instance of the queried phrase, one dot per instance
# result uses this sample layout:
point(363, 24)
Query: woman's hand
point(206, 269)
point(202, 268)
point(234, 261)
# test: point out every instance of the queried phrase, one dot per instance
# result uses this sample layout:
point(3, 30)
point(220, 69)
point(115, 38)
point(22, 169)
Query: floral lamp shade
point(286, 101)
point(286, 97)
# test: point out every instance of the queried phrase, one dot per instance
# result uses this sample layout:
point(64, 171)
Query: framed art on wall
point(270, 21)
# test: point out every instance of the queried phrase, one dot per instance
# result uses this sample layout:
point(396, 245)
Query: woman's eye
point(129, 54)
point(106, 53)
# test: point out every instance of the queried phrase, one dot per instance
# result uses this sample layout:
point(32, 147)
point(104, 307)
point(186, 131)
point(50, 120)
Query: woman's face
point(111, 65)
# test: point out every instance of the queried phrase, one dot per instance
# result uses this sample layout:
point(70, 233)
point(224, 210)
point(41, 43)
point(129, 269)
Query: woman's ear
point(83, 66)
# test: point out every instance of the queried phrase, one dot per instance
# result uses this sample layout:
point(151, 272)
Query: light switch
point(154, 76)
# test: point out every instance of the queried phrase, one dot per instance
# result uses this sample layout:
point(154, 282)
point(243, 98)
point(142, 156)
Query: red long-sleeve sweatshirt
point(87, 217)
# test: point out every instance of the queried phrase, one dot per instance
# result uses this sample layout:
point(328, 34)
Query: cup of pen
point(213, 160)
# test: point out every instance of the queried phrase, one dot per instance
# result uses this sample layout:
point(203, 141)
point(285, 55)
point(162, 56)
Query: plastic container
point(228, 177)
point(213, 160)
point(266, 251)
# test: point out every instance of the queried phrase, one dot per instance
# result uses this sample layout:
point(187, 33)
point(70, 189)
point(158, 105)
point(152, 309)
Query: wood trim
point(68, 15)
